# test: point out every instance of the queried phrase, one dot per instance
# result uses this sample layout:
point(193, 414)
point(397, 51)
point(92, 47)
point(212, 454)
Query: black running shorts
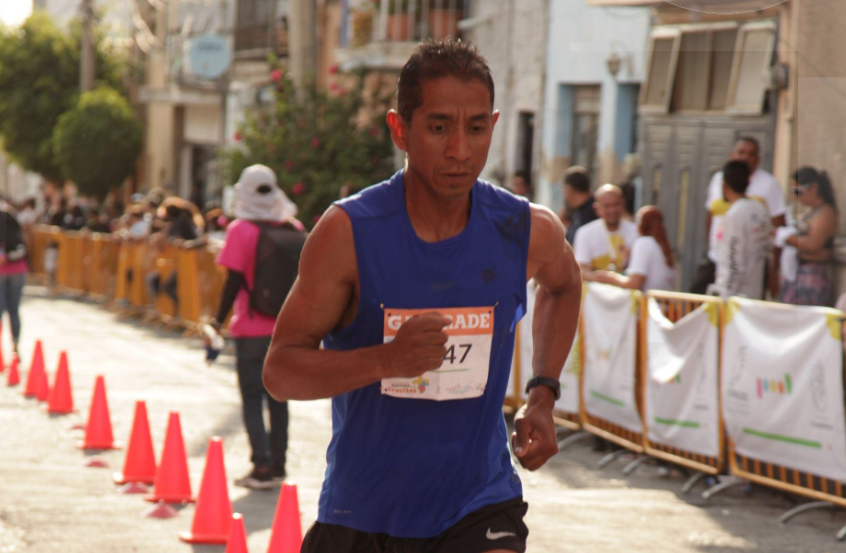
point(497, 526)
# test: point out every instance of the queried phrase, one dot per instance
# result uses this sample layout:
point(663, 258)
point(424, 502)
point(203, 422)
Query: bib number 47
point(451, 353)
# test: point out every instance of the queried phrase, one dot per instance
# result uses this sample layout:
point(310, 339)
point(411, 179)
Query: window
point(708, 67)
point(749, 77)
point(721, 62)
point(525, 141)
point(586, 107)
point(691, 90)
point(662, 62)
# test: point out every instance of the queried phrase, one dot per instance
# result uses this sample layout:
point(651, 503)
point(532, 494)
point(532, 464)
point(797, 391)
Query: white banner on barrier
point(782, 386)
point(569, 400)
point(609, 319)
point(682, 388)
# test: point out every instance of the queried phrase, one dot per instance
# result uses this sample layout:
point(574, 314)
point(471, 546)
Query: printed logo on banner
point(771, 386)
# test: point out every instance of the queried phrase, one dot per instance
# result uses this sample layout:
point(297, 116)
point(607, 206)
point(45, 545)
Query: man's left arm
point(556, 317)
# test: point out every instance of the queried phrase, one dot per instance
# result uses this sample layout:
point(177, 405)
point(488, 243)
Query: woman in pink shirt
point(259, 203)
point(13, 269)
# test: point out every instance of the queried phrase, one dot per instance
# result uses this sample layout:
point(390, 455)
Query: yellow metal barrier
point(675, 306)
point(605, 429)
point(787, 479)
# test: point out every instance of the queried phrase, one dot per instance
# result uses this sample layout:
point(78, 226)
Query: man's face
point(448, 138)
point(746, 152)
point(609, 208)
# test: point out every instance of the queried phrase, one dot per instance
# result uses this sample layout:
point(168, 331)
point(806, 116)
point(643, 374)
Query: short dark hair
point(435, 59)
point(736, 175)
point(751, 140)
point(578, 178)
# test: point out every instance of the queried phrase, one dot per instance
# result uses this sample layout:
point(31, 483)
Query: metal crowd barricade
point(628, 439)
point(675, 306)
point(828, 493)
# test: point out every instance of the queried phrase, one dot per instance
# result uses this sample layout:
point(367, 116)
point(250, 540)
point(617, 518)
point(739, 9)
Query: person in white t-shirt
point(762, 187)
point(746, 242)
point(652, 265)
point(605, 244)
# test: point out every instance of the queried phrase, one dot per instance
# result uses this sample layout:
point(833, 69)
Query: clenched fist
point(419, 346)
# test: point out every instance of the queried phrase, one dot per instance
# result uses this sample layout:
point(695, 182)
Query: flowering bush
point(316, 141)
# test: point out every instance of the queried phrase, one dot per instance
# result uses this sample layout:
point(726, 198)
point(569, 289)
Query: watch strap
point(550, 383)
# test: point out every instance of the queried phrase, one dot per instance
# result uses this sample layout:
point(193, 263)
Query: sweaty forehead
point(453, 96)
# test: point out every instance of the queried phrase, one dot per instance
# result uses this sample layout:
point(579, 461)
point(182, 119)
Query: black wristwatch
point(550, 383)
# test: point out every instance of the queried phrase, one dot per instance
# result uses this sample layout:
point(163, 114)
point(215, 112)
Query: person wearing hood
point(259, 204)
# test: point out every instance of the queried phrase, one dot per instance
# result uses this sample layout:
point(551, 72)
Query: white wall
point(580, 39)
point(510, 34)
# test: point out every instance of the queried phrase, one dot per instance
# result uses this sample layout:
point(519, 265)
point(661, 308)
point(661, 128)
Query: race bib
point(464, 371)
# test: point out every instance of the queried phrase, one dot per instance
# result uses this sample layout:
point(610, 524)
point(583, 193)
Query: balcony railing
point(401, 21)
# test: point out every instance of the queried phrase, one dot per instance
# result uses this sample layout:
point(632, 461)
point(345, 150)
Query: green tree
point(318, 141)
point(97, 143)
point(39, 80)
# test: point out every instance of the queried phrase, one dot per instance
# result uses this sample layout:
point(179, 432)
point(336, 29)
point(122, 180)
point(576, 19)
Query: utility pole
point(302, 43)
point(87, 53)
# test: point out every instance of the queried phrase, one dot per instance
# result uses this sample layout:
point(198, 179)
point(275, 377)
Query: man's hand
point(418, 347)
point(534, 439)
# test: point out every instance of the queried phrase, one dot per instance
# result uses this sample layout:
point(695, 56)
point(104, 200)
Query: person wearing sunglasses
point(813, 239)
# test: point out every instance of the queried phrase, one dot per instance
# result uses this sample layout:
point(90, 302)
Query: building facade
point(594, 69)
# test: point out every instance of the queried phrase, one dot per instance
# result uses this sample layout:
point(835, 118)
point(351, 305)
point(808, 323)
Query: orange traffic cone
point(98, 431)
point(237, 542)
point(14, 377)
point(213, 515)
point(61, 398)
point(172, 483)
point(140, 462)
point(43, 392)
point(35, 370)
point(287, 533)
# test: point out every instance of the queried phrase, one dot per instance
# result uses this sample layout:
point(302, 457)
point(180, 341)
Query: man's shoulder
point(375, 201)
point(594, 226)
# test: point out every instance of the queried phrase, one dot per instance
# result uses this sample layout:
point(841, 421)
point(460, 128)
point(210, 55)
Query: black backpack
point(277, 263)
point(11, 236)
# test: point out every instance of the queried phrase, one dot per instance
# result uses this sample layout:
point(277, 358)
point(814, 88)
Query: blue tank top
point(412, 468)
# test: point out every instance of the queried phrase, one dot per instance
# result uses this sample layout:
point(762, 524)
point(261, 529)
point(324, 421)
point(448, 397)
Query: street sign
point(209, 56)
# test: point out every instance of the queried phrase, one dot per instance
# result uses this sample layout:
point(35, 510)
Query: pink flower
point(333, 69)
point(315, 143)
point(237, 136)
point(275, 75)
point(333, 86)
point(342, 91)
point(316, 218)
point(289, 164)
point(298, 189)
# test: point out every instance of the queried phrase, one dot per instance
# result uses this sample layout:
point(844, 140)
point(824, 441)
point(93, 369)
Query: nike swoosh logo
point(498, 535)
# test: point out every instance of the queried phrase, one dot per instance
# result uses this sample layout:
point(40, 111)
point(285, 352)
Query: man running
point(414, 286)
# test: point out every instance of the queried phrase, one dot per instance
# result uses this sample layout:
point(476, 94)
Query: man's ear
point(494, 118)
point(399, 130)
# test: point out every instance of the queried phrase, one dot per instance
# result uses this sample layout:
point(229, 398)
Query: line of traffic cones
point(213, 521)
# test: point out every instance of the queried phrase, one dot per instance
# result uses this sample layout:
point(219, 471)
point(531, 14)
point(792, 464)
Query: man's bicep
point(325, 286)
point(550, 253)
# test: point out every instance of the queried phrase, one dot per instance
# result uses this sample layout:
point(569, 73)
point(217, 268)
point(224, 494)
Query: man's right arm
point(296, 368)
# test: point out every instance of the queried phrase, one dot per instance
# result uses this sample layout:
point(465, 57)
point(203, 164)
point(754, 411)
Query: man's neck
point(733, 197)
point(612, 228)
point(434, 218)
point(582, 199)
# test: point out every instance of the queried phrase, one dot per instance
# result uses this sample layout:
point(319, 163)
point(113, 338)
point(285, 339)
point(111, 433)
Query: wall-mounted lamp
point(613, 62)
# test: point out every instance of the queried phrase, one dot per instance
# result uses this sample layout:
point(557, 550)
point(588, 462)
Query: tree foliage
point(39, 80)
point(97, 143)
point(318, 141)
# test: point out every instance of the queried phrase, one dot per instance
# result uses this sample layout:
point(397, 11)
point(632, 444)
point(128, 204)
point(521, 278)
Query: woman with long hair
point(652, 265)
point(813, 239)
